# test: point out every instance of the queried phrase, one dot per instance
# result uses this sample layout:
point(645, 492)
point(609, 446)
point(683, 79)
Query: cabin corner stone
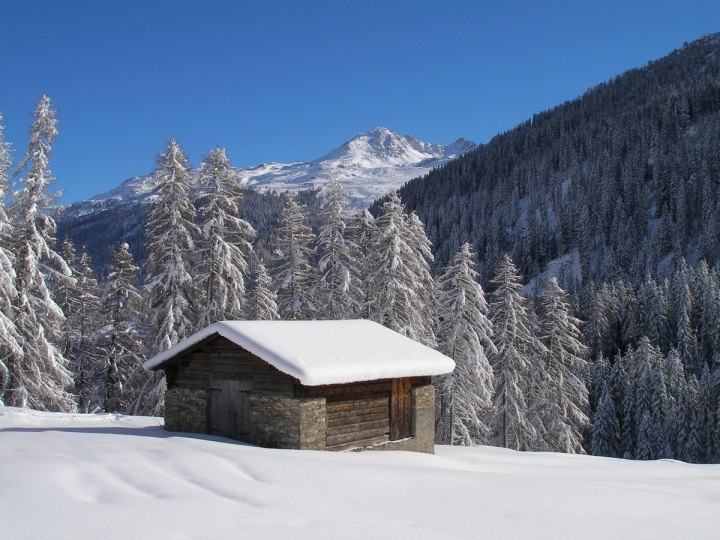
point(283, 422)
point(423, 418)
point(186, 409)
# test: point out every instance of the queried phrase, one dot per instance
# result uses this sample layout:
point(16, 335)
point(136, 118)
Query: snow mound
point(324, 352)
point(115, 477)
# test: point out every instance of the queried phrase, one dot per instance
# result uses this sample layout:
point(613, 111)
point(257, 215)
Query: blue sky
point(287, 81)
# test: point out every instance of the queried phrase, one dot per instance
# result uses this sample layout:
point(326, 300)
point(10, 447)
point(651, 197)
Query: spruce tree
point(688, 438)
point(121, 375)
point(40, 377)
point(262, 304)
point(513, 338)
point(293, 275)
point(170, 286)
point(605, 440)
point(225, 241)
point(10, 350)
point(86, 321)
point(465, 335)
point(67, 296)
point(400, 279)
point(338, 295)
point(685, 337)
point(567, 396)
point(362, 232)
point(675, 380)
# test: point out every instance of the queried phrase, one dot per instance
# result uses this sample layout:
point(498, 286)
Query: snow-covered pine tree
point(9, 338)
point(675, 380)
point(39, 378)
point(262, 304)
point(465, 336)
point(225, 241)
point(293, 275)
point(120, 337)
point(67, 294)
point(688, 438)
point(515, 344)
point(400, 276)
point(77, 296)
point(86, 321)
point(705, 416)
point(605, 440)
point(567, 397)
point(685, 338)
point(362, 231)
point(707, 305)
point(170, 288)
point(652, 313)
point(338, 293)
point(647, 395)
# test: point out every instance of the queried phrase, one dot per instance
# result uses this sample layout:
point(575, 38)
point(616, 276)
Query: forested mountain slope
point(609, 185)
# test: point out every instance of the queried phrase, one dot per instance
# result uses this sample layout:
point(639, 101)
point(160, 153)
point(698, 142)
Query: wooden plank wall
point(400, 409)
point(366, 413)
point(357, 413)
point(222, 359)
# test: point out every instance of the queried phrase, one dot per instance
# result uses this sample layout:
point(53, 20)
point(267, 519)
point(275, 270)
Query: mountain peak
point(385, 147)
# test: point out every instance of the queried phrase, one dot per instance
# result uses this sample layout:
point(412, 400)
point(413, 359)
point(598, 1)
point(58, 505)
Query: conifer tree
point(293, 275)
point(226, 241)
point(39, 378)
point(685, 337)
point(688, 439)
point(511, 426)
point(338, 294)
point(87, 323)
point(567, 396)
point(605, 439)
point(400, 277)
point(170, 288)
point(10, 350)
point(77, 296)
point(121, 375)
point(67, 294)
point(362, 232)
point(169, 285)
point(262, 305)
point(675, 381)
point(465, 336)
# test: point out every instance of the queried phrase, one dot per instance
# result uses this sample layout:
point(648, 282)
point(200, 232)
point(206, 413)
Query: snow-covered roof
point(324, 352)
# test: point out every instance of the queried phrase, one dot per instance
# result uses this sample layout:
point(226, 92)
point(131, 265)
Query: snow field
point(113, 476)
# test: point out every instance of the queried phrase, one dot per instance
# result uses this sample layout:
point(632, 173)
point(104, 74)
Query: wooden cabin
point(322, 385)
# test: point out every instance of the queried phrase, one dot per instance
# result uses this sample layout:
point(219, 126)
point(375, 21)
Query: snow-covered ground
point(108, 476)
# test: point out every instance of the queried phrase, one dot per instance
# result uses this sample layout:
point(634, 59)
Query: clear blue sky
point(286, 81)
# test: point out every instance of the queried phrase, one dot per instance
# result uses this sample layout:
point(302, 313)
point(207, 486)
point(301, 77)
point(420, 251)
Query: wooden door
point(229, 414)
point(400, 409)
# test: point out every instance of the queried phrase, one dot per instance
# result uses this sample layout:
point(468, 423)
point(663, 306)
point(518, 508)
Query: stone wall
point(282, 422)
point(186, 410)
point(423, 424)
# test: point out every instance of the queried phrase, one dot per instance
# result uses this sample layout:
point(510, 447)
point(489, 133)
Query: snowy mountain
point(370, 165)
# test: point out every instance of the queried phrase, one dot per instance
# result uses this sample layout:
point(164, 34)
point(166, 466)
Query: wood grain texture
point(229, 412)
point(222, 359)
point(400, 409)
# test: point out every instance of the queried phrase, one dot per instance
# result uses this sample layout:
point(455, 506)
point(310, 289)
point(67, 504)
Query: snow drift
point(111, 476)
